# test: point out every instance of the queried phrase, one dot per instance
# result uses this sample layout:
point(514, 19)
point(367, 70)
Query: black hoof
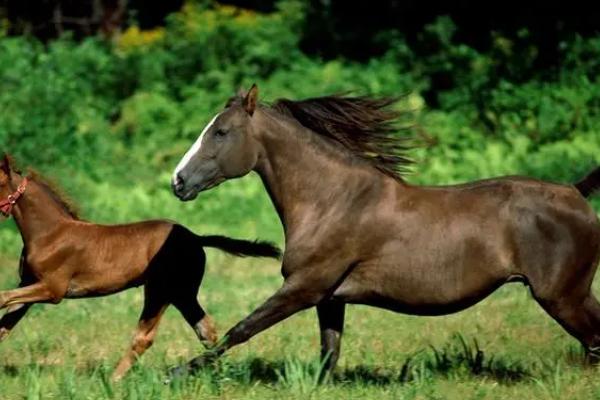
point(189, 369)
point(177, 373)
point(592, 356)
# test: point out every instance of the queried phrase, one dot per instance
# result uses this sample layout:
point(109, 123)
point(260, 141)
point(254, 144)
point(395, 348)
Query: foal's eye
point(220, 133)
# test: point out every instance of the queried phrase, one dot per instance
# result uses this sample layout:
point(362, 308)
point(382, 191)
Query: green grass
point(505, 347)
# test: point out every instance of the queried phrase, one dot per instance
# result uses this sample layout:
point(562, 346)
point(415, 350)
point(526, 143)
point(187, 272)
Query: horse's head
point(225, 149)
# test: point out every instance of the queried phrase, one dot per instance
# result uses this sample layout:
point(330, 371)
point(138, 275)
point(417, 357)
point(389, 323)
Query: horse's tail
point(590, 184)
point(241, 248)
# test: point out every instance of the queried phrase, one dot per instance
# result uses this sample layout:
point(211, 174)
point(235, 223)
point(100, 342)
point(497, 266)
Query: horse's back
point(439, 249)
point(527, 214)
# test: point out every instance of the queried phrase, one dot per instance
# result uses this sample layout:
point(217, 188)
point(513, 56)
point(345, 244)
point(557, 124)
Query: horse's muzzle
point(180, 190)
point(177, 184)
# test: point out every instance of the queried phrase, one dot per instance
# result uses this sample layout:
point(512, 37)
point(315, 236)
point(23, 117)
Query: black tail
point(590, 184)
point(241, 248)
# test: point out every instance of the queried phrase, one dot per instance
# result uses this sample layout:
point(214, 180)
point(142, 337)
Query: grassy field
point(68, 351)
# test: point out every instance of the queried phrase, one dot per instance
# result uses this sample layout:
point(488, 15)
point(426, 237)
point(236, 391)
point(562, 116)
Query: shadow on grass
point(451, 360)
point(14, 370)
point(11, 370)
point(459, 355)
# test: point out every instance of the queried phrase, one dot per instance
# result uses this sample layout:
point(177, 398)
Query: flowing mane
point(365, 126)
point(57, 194)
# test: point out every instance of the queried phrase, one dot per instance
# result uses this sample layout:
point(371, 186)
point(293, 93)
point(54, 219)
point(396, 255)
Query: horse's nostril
point(178, 183)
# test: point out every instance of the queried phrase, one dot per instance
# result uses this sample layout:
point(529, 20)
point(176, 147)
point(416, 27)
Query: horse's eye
point(220, 133)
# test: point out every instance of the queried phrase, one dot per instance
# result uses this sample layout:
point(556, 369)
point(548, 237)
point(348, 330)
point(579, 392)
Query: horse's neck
point(304, 175)
point(37, 213)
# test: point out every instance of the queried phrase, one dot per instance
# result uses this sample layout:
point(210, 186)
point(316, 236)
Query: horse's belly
point(432, 293)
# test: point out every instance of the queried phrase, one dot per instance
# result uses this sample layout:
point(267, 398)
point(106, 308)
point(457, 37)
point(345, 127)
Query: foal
point(64, 257)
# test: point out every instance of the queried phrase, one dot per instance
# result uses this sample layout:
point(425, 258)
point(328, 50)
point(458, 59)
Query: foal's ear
point(251, 99)
point(5, 164)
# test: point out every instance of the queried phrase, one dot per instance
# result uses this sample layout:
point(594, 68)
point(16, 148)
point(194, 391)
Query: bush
point(111, 120)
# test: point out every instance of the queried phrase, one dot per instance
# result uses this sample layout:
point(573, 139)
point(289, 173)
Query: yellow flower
point(133, 38)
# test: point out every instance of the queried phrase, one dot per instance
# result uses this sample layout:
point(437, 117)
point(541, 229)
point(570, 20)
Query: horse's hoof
point(183, 371)
point(592, 356)
point(177, 373)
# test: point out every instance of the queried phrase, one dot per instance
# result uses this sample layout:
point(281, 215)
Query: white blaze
point(194, 149)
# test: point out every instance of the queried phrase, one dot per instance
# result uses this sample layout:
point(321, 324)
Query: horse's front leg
point(331, 324)
point(300, 291)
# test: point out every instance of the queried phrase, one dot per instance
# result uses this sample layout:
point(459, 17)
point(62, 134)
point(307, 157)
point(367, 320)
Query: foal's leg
point(184, 298)
point(38, 292)
point(154, 307)
point(331, 324)
point(288, 300)
point(198, 319)
point(12, 317)
point(16, 312)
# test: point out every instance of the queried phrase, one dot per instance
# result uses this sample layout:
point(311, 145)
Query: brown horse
point(65, 257)
point(356, 232)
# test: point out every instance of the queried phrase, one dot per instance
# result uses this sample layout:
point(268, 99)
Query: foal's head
point(12, 185)
point(225, 149)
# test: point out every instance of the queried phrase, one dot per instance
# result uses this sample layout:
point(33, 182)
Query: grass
point(505, 347)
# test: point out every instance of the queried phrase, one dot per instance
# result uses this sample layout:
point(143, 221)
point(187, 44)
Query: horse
point(357, 233)
point(65, 257)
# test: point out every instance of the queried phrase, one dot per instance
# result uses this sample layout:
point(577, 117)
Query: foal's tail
point(241, 248)
point(590, 184)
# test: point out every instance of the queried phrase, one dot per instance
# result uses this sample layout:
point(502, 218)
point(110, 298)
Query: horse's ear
point(251, 99)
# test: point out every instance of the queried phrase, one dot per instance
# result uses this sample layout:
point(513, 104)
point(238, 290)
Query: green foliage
point(111, 120)
point(300, 377)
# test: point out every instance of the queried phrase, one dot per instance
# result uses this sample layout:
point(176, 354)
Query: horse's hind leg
point(198, 319)
point(581, 318)
point(154, 307)
point(577, 310)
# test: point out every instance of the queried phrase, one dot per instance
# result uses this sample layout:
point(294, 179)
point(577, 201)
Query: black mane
point(365, 126)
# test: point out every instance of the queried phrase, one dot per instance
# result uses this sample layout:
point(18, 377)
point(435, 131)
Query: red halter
point(7, 204)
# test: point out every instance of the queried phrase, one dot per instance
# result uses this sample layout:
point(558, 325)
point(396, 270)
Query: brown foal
point(65, 257)
point(356, 232)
